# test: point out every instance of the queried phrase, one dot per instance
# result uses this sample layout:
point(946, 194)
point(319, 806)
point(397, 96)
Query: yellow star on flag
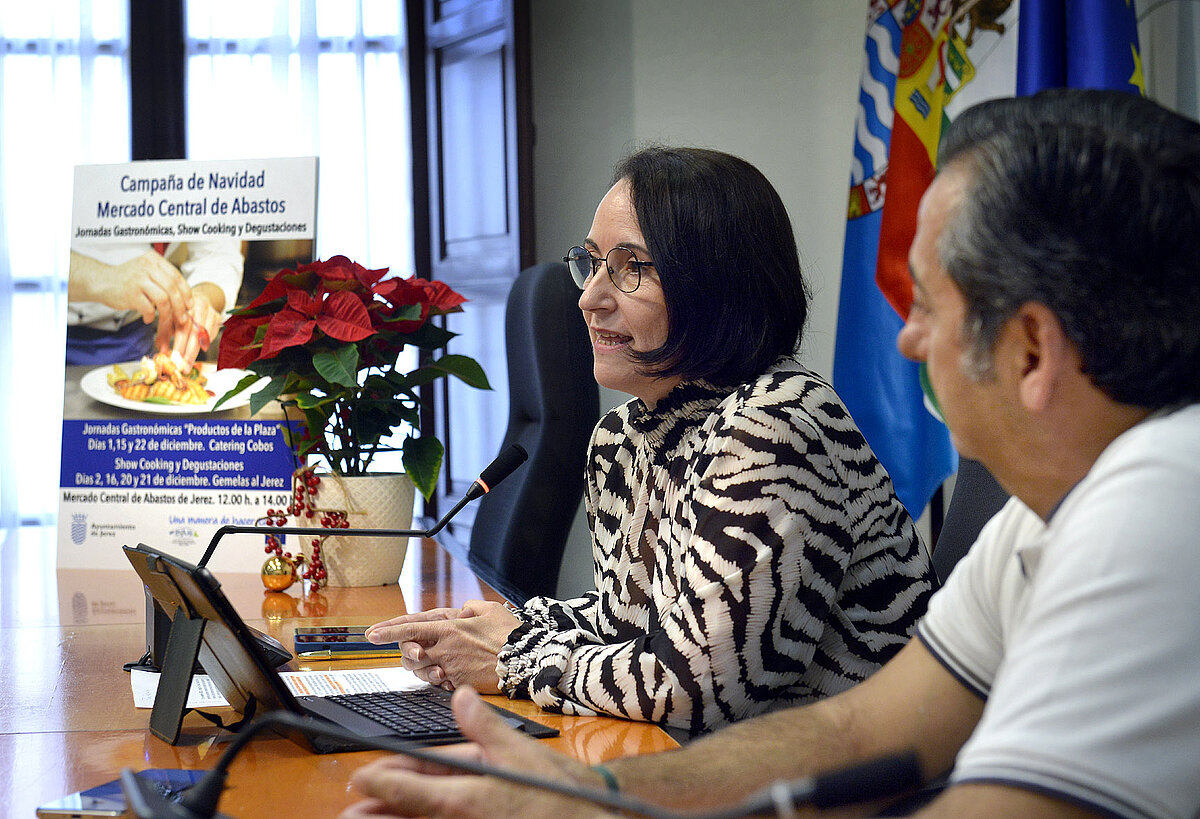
point(1138, 79)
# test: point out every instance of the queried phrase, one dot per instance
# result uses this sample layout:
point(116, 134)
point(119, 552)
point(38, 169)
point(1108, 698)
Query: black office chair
point(977, 497)
point(521, 526)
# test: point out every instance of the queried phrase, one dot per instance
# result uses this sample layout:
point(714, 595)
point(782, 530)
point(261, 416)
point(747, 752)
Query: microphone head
point(873, 779)
point(508, 460)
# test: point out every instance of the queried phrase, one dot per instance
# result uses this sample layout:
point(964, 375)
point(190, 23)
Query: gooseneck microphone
point(878, 778)
point(874, 779)
point(505, 463)
point(158, 622)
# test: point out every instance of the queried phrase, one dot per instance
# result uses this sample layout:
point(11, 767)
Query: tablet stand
point(178, 665)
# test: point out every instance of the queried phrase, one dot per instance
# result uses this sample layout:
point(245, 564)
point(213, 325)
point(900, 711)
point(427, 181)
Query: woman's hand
point(451, 647)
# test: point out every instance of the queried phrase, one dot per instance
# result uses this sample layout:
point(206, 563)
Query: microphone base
point(146, 801)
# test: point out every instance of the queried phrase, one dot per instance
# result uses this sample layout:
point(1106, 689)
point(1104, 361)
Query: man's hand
point(400, 786)
point(451, 647)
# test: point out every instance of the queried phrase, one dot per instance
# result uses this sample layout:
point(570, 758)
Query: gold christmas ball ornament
point(278, 573)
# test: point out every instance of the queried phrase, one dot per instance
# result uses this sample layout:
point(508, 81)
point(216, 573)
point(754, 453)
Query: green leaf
point(429, 336)
point(281, 366)
point(266, 395)
point(264, 309)
point(245, 382)
point(422, 460)
point(405, 385)
point(340, 366)
point(422, 376)
point(465, 368)
point(291, 432)
point(379, 388)
point(307, 401)
point(315, 420)
point(411, 414)
point(387, 414)
point(406, 312)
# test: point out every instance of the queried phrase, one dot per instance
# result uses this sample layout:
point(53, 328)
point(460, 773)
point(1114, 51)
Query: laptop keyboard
point(415, 715)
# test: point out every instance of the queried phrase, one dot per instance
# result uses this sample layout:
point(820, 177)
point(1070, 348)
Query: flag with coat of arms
point(925, 61)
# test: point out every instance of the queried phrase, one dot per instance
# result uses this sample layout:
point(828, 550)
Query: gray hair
point(1087, 202)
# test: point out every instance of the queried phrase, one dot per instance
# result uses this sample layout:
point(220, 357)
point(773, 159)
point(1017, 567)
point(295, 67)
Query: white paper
point(204, 693)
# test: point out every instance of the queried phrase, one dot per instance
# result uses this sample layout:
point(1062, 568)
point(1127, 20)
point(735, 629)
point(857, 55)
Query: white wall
point(772, 81)
point(1168, 33)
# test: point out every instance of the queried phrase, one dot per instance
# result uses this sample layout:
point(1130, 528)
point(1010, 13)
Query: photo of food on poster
point(161, 252)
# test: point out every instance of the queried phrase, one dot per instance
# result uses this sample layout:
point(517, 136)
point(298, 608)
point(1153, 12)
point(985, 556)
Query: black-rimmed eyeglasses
point(624, 267)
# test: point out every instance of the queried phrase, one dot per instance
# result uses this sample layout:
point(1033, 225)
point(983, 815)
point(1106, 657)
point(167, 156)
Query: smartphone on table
point(109, 800)
point(338, 638)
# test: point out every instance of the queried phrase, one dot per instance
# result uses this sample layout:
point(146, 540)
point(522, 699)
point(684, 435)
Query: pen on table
point(326, 654)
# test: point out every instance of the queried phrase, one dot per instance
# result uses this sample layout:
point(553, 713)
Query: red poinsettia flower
point(238, 348)
point(331, 333)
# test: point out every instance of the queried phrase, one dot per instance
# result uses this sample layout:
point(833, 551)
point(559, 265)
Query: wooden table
point(67, 720)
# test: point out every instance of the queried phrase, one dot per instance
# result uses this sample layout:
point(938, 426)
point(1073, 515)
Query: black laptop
point(204, 624)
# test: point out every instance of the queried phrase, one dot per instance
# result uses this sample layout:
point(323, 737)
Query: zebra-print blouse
point(750, 554)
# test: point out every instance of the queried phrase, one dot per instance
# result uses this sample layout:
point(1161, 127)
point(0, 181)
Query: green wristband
point(610, 779)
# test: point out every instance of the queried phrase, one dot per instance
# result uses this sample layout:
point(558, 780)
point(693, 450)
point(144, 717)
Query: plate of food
point(159, 384)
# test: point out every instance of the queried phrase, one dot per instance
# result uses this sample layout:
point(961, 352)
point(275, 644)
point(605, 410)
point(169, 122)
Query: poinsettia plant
point(330, 335)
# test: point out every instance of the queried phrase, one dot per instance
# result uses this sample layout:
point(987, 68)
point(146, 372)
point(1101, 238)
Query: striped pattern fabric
point(750, 554)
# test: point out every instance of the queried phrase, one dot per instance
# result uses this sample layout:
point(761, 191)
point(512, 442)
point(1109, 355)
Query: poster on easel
point(161, 252)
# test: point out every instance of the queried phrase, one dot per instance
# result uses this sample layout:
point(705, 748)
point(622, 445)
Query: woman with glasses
point(750, 552)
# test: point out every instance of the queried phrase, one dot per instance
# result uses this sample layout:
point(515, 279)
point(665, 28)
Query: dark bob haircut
point(723, 248)
point(1087, 202)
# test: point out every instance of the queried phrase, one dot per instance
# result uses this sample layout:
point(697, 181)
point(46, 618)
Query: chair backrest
point(521, 526)
point(977, 497)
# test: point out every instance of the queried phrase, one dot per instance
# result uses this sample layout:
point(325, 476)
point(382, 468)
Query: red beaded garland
point(305, 487)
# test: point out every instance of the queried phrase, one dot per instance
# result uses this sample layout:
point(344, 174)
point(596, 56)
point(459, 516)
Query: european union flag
point(1078, 44)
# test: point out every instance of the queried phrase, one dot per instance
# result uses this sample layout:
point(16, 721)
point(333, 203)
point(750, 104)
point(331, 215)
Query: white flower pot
point(376, 501)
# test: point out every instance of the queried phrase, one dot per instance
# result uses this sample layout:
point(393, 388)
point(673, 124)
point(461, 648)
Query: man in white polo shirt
point(1056, 270)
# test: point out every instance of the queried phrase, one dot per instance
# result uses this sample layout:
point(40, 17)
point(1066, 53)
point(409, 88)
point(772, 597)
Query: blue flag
point(924, 63)
point(878, 385)
point(1078, 44)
